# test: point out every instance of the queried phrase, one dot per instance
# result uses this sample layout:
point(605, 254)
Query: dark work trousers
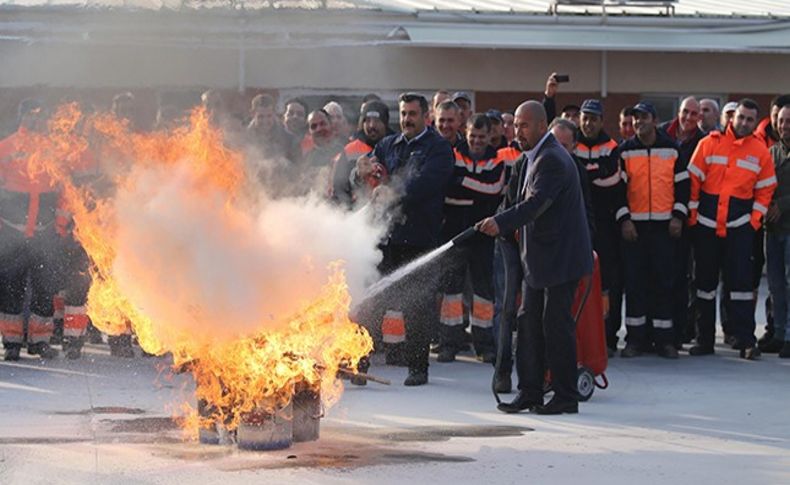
point(76, 283)
point(734, 255)
point(680, 291)
point(476, 256)
point(508, 276)
point(36, 258)
point(649, 276)
point(758, 260)
point(606, 242)
point(414, 296)
point(547, 334)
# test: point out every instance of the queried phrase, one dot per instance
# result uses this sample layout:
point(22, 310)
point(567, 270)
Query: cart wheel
point(586, 383)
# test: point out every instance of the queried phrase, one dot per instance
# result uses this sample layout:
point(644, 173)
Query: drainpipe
point(604, 74)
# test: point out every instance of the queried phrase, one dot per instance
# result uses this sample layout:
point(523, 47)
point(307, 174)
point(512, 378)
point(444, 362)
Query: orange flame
point(260, 365)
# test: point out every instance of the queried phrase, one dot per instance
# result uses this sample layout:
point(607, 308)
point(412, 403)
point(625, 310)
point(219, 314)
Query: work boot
point(630, 350)
point(43, 350)
point(363, 366)
point(12, 352)
point(770, 347)
point(767, 337)
point(446, 354)
point(94, 335)
point(121, 346)
point(731, 341)
point(73, 347)
point(750, 353)
point(503, 384)
point(416, 378)
point(487, 357)
point(783, 354)
point(668, 351)
point(697, 350)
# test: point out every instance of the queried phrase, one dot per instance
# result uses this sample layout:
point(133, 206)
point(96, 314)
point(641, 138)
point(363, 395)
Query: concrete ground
point(715, 419)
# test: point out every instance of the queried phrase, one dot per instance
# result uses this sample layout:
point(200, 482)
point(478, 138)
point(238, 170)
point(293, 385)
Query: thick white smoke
point(198, 264)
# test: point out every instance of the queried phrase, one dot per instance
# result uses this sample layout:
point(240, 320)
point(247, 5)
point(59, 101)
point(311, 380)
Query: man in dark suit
point(556, 252)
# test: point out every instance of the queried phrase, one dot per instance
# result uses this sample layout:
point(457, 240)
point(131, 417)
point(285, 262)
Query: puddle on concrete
point(142, 425)
point(100, 410)
point(27, 440)
point(444, 433)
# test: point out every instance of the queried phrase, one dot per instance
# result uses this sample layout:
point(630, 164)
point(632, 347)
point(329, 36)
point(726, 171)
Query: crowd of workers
point(673, 210)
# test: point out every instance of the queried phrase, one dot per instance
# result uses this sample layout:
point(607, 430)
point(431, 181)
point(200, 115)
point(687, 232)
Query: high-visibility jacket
point(732, 181)
point(341, 188)
point(655, 182)
point(30, 200)
point(477, 182)
point(765, 132)
point(598, 158)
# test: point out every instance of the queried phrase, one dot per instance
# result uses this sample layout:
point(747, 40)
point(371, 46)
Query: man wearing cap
point(596, 151)
point(727, 114)
point(464, 102)
point(685, 131)
point(654, 204)
point(374, 119)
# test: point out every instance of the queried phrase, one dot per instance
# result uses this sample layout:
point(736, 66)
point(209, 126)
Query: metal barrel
point(264, 430)
point(307, 415)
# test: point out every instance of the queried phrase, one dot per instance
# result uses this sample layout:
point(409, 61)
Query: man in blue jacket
point(556, 252)
point(420, 165)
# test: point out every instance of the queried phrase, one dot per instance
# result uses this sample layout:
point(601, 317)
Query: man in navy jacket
point(556, 253)
point(420, 165)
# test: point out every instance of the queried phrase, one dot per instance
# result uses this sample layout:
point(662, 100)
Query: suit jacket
point(551, 218)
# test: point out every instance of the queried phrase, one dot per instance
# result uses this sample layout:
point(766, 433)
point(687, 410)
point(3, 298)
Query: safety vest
point(597, 160)
point(732, 181)
point(656, 180)
point(29, 202)
point(476, 181)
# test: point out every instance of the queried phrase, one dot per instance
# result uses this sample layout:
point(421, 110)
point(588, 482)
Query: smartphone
point(562, 78)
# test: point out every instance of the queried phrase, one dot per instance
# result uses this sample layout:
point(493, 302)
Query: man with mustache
point(420, 165)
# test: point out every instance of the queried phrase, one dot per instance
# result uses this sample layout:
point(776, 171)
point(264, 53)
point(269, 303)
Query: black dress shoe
point(520, 403)
point(771, 346)
point(503, 384)
point(416, 378)
point(556, 406)
point(750, 353)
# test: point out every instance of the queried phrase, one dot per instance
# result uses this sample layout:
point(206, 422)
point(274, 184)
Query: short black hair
point(412, 97)
point(298, 101)
point(479, 121)
point(370, 97)
point(781, 101)
point(627, 111)
point(570, 107)
point(749, 104)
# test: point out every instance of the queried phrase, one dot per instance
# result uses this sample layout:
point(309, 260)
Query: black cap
point(376, 109)
point(645, 107)
point(462, 95)
point(494, 115)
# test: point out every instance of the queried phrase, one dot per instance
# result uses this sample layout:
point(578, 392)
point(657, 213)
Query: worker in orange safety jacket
point(732, 182)
point(654, 207)
point(30, 218)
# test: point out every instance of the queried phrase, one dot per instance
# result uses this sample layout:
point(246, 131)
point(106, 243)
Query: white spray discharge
point(197, 264)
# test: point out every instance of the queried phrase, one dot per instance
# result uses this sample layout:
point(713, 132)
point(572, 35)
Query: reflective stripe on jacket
point(732, 181)
point(655, 183)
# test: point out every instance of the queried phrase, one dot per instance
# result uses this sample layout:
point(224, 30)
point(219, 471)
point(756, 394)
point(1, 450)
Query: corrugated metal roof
point(716, 8)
